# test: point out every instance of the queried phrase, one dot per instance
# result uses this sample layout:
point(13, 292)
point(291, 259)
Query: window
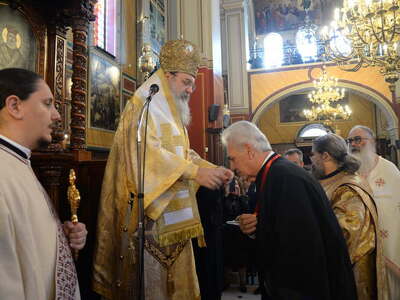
point(306, 44)
point(273, 50)
point(339, 43)
point(313, 130)
point(105, 26)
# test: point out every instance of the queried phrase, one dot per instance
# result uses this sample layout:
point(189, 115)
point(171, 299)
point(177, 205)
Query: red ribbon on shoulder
point(264, 180)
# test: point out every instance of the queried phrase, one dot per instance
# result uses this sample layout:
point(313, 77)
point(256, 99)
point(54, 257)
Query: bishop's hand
point(213, 178)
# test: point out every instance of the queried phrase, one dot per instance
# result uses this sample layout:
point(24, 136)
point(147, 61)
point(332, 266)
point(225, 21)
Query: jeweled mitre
point(180, 56)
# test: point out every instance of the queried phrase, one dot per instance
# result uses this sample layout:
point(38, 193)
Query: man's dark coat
point(301, 246)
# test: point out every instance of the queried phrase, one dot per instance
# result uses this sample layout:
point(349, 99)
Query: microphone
point(141, 159)
point(154, 88)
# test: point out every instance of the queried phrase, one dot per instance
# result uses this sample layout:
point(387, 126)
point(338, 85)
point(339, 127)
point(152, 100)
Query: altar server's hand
point(248, 223)
point(213, 178)
point(76, 234)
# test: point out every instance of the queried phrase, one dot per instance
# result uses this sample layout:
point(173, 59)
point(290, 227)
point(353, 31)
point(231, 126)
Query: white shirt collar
point(268, 156)
point(265, 160)
point(27, 151)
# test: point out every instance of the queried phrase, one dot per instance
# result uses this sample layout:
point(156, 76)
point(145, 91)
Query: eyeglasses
point(189, 84)
point(357, 139)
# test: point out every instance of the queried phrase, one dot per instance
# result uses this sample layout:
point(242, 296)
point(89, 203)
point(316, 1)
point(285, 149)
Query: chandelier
point(306, 40)
point(366, 33)
point(324, 99)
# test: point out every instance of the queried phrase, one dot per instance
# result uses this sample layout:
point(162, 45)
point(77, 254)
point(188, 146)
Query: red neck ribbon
point(264, 181)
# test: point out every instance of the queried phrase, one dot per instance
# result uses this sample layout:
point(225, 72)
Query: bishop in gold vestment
point(353, 205)
point(172, 217)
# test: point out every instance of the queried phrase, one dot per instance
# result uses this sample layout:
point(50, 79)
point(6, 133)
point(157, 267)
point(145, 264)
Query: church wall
point(199, 103)
point(281, 133)
point(128, 50)
point(268, 86)
point(266, 83)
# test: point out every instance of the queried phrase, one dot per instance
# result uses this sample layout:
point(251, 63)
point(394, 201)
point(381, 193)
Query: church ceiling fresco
point(284, 15)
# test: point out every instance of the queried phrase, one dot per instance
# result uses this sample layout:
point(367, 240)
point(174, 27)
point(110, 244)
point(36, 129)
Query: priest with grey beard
point(384, 179)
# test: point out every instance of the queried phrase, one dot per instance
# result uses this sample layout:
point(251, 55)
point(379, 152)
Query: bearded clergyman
point(351, 201)
point(172, 173)
point(384, 178)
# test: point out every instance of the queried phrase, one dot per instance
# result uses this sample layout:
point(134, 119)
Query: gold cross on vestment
point(170, 141)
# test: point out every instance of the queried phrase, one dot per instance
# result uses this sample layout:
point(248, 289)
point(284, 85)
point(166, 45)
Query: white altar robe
point(28, 233)
point(384, 180)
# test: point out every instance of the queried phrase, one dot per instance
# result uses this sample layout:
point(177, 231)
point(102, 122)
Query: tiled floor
point(233, 293)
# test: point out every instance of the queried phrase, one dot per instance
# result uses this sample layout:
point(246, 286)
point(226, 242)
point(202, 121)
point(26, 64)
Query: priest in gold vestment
point(172, 174)
point(353, 205)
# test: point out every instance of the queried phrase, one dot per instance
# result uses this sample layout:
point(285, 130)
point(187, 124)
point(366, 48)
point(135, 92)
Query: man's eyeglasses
point(189, 84)
point(357, 139)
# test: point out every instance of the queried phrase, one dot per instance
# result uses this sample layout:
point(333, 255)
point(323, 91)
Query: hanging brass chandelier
point(324, 98)
point(366, 33)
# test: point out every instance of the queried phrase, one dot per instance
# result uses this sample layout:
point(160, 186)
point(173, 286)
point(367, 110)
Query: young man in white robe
point(35, 248)
point(384, 179)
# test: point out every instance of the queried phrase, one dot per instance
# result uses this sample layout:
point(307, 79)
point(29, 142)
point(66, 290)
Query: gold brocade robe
point(351, 201)
point(170, 206)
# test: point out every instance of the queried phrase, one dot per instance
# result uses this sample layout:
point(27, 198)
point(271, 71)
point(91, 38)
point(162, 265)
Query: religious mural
point(291, 108)
point(283, 15)
point(105, 95)
point(17, 41)
point(157, 24)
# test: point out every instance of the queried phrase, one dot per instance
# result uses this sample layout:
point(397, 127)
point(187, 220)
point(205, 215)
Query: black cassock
point(300, 244)
point(209, 260)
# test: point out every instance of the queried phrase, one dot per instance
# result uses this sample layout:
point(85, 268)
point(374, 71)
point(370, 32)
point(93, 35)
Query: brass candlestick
point(74, 199)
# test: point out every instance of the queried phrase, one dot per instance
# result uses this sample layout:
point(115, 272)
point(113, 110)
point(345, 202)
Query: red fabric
point(264, 179)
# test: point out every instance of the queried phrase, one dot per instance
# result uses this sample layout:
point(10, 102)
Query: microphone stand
point(141, 159)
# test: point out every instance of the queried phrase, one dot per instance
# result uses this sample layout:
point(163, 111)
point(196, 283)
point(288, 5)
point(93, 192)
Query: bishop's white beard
point(182, 104)
point(367, 156)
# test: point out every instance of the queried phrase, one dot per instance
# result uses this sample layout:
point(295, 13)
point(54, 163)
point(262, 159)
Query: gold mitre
point(180, 56)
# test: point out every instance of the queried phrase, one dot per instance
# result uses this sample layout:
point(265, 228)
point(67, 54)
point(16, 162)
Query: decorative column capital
point(84, 10)
point(234, 4)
